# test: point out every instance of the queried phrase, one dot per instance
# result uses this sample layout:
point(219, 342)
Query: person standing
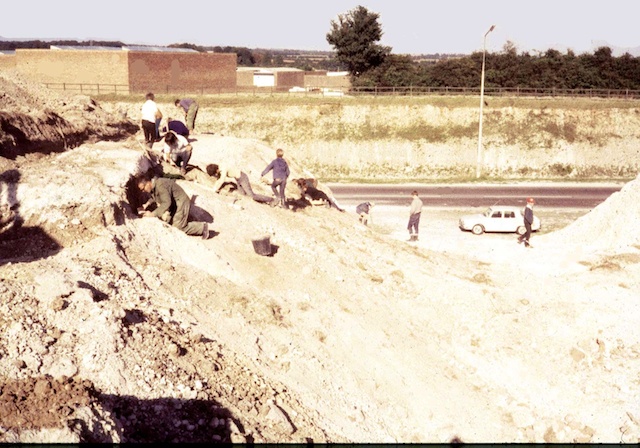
point(177, 150)
point(414, 216)
point(528, 220)
point(173, 204)
point(230, 174)
point(364, 212)
point(190, 108)
point(151, 116)
point(281, 172)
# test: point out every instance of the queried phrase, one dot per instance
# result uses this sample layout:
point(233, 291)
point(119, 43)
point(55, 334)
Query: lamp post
point(484, 46)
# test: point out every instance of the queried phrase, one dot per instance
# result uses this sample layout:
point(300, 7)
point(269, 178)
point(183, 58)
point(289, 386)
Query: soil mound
point(611, 226)
point(119, 329)
point(35, 119)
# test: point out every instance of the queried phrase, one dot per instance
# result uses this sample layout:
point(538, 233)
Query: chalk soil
point(115, 328)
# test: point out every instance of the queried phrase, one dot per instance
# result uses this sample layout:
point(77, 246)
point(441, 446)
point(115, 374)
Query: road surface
point(585, 196)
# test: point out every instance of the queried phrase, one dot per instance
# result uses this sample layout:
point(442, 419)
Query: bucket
point(262, 245)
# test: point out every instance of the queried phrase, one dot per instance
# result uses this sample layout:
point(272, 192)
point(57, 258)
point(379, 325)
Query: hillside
point(122, 329)
point(432, 138)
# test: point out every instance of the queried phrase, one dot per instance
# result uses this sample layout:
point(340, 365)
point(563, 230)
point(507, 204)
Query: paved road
point(552, 195)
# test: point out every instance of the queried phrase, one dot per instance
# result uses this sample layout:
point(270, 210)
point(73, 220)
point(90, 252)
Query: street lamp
point(484, 46)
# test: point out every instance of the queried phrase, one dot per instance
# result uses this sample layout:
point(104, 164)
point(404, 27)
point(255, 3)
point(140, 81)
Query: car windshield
point(488, 212)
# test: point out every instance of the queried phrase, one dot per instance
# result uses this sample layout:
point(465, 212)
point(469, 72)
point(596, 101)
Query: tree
point(188, 46)
point(396, 71)
point(354, 37)
point(245, 57)
point(509, 48)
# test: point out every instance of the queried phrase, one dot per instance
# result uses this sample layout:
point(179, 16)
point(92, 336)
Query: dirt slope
point(35, 120)
point(121, 329)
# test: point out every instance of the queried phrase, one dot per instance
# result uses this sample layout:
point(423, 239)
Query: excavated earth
point(115, 328)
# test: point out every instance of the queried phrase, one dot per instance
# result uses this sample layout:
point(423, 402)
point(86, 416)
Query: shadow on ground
point(167, 420)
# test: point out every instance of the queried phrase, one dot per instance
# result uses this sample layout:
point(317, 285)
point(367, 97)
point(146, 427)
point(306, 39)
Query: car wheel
point(477, 229)
point(520, 230)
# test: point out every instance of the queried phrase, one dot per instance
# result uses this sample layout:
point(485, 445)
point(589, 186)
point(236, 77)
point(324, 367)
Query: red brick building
point(129, 69)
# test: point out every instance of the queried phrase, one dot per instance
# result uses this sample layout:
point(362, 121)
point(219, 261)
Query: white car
point(498, 218)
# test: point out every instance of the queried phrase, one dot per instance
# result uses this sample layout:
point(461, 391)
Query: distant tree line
point(35, 44)
point(355, 35)
point(551, 69)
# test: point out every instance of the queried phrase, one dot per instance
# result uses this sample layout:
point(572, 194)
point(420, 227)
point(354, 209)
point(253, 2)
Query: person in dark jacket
point(173, 204)
point(281, 172)
point(308, 188)
point(528, 220)
point(364, 211)
point(176, 126)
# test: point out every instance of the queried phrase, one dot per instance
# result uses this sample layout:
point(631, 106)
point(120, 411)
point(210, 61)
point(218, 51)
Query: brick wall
point(181, 72)
point(73, 66)
point(331, 82)
point(138, 71)
point(289, 79)
point(244, 78)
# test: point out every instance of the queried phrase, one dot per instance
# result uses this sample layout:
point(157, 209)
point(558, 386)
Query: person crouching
point(173, 204)
point(177, 150)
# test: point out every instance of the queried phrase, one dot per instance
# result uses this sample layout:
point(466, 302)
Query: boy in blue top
point(280, 174)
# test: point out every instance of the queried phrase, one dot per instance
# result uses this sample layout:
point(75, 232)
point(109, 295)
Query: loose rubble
point(118, 329)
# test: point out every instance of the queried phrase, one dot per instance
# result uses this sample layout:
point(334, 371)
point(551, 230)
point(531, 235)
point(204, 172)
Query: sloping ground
point(611, 226)
point(343, 335)
point(33, 119)
point(121, 329)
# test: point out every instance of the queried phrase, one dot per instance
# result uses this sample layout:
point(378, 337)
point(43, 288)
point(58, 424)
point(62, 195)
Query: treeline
point(35, 44)
point(552, 69)
point(303, 60)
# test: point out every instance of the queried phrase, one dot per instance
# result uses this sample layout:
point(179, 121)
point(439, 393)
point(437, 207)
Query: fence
point(96, 89)
point(496, 91)
point(123, 89)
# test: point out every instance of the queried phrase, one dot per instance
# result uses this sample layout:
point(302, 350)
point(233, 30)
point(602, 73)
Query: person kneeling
point(177, 150)
point(173, 204)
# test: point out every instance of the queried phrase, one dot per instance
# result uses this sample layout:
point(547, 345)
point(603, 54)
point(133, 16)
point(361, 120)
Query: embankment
point(427, 138)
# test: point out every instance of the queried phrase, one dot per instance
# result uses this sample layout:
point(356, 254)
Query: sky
point(409, 26)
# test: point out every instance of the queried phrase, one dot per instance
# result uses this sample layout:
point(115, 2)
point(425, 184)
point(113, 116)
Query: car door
point(494, 222)
point(510, 221)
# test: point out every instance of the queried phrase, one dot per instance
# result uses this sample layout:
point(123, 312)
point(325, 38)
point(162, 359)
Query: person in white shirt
point(177, 150)
point(151, 117)
point(414, 216)
point(231, 174)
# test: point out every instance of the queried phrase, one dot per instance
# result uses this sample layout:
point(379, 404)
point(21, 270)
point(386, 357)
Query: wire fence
point(94, 89)
point(496, 91)
point(123, 89)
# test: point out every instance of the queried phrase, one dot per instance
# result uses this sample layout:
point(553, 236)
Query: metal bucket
point(262, 245)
